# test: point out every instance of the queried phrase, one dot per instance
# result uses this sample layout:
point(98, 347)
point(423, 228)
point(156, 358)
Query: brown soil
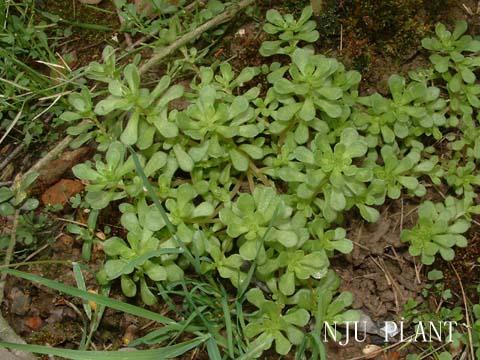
point(467, 265)
point(43, 316)
point(380, 268)
point(60, 323)
point(85, 45)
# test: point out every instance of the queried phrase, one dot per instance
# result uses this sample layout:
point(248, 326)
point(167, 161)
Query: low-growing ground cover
point(242, 208)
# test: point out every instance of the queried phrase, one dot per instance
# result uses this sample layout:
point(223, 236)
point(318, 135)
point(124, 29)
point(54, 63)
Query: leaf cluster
point(257, 187)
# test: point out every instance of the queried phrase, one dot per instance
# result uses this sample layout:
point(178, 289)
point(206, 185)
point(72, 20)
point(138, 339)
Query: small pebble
point(20, 301)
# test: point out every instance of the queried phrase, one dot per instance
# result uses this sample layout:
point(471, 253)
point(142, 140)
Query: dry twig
point(467, 314)
point(185, 39)
point(11, 156)
point(188, 8)
point(154, 60)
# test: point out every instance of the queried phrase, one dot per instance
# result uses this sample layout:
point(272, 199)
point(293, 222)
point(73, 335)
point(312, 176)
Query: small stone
point(129, 334)
point(368, 324)
point(34, 322)
point(66, 240)
point(371, 351)
point(61, 192)
point(7, 355)
point(56, 315)
point(240, 32)
point(389, 330)
point(20, 301)
point(64, 243)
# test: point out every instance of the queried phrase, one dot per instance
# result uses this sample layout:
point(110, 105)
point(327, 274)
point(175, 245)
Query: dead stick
point(51, 155)
point(193, 4)
point(185, 39)
point(467, 314)
point(187, 8)
point(11, 156)
point(154, 60)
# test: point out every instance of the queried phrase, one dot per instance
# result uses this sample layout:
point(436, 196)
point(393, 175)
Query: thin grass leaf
point(211, 329)
point(212, 349)
point(316, 334)
point(228, 323)
point(171, 228)
point(99, 299)
point(166, 299)
point(79, 279)
point(167, 352)
point(319, 347)
point(12, 124)
point(159, 335)
point(97, 315)
point(240, 324)
point(99, 9)
point(300, 353)
point(38, 76)
point(79, 24)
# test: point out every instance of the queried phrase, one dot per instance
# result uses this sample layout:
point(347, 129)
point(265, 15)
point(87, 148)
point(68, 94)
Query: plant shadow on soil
point(376, 38)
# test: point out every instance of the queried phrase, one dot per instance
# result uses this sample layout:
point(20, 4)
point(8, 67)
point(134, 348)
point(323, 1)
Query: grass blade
point(319, 347)
point(228, 323)
point(211, 329)
point(167, 352)
point(97, 315)
point(79, 279)
point(171, 228)
point(155, 336)
point(212, 349)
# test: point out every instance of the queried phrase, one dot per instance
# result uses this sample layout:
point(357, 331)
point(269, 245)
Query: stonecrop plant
point(15, 202)
point(256, 185)
point(437, 231)
point(290, 32)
